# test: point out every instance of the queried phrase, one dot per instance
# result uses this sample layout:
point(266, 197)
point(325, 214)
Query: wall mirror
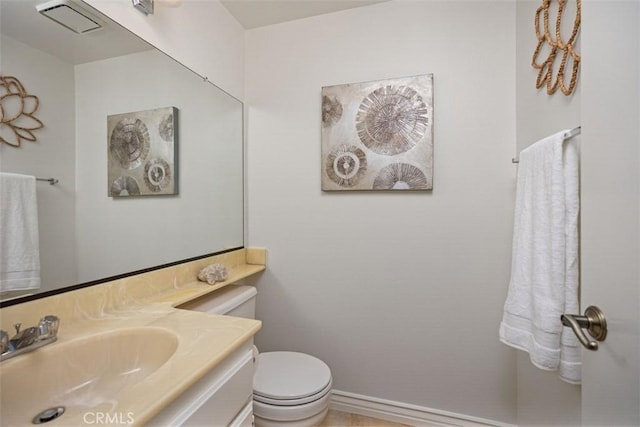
point(87, 236)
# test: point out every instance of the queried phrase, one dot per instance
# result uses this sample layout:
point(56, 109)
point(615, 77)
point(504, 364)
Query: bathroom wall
point(400, 293)
point(543, 399)
point(52, 155)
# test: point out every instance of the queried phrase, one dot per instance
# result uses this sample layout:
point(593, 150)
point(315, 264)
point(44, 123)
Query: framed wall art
point(378, 135)
point(142, 153)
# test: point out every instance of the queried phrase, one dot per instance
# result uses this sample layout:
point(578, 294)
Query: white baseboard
point(404, 413)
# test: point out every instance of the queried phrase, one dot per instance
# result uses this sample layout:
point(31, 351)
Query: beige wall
point(401, 294)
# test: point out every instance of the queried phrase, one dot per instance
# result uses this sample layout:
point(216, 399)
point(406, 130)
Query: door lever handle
point(593, 321)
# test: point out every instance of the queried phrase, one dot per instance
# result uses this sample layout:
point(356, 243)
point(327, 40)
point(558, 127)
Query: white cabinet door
point(245, 417)
point(222, 402)
point(217, 398)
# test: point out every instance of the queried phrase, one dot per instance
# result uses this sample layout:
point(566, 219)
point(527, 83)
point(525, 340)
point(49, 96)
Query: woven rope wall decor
point(17, 108)
point(556, 47)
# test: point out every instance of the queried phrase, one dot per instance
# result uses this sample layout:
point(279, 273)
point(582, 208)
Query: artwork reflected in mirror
point(142, 152)
point(85, 235)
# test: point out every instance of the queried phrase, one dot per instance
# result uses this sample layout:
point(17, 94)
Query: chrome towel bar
point(570, 134)
point(51, 181)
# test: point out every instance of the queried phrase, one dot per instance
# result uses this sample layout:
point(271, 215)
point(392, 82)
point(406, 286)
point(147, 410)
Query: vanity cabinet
point(223, 397)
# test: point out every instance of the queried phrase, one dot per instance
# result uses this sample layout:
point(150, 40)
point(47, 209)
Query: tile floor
point(343, 419)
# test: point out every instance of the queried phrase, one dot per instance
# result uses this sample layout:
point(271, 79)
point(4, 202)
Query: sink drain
point(48, 415)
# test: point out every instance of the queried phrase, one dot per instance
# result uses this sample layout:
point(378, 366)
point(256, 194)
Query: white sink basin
point(84, 376)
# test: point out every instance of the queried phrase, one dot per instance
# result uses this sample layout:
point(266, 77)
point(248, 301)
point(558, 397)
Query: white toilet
point(289, 389)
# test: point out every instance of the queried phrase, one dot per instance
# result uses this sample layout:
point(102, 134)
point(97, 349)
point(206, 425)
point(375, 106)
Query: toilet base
point(307, 422)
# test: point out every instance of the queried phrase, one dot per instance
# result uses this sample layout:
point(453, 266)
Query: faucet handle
point(48, 326)
point(4, 341)
point(24, 338)
point(17, 326)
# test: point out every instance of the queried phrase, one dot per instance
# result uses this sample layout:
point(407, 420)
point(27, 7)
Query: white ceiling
point(20, 21)
point(258, 13)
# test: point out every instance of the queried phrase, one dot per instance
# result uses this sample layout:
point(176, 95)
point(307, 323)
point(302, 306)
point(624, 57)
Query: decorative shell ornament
point(213, 273)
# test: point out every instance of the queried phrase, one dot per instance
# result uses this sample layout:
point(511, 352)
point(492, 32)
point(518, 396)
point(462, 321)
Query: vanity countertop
point(203, 341)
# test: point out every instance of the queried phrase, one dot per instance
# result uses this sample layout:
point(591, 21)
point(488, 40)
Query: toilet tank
point(233, 300)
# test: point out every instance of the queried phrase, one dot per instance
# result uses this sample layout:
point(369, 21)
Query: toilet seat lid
point(287, 375)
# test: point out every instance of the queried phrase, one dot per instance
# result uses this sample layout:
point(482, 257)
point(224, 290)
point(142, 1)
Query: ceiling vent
point(70, 15)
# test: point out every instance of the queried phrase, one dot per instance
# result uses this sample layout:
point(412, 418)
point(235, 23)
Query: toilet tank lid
point(223, 300)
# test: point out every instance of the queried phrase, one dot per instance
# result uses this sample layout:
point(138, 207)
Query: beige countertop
point(203, 341)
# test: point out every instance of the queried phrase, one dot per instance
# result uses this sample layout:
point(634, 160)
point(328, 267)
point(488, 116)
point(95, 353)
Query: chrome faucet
point(29, 339)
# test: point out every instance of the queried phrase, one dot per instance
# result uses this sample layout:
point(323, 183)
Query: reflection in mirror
point(80, 79)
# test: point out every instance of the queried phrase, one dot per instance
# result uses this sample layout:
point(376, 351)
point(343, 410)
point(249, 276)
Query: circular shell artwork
point(392, 120)
point(129, 143)
point(331, 110)
point(125, 186)
point(157, 174)
point(165, 128)
point(378, 135)
point(143, 146)
point(400, 176)
point(346, 165)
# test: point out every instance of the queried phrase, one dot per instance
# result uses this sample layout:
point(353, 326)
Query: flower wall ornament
point(17, 108)
point(555, 46)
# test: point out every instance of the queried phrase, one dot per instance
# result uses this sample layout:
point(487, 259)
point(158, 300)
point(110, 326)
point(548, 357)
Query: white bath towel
point(545, 264)
point(19, 238)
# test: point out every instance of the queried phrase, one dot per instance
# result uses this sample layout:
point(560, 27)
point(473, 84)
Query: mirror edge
point(33, 297)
